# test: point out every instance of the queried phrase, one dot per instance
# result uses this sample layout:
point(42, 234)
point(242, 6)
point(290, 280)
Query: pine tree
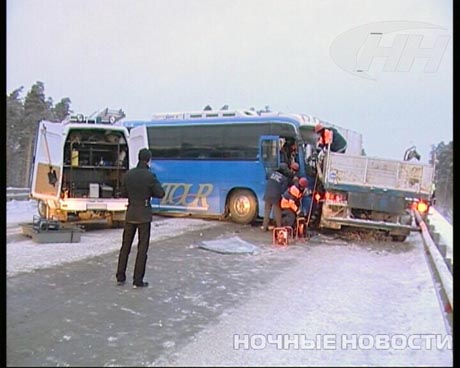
point(62, 109)
point(14, 116)
point(36, 108)
point(443, 159)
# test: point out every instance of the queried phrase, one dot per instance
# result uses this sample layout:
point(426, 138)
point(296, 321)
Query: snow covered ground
point(25, 255)
point(362, 311)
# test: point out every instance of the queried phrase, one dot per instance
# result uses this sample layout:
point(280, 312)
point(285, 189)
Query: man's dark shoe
point(119, 283)
point(143, 284)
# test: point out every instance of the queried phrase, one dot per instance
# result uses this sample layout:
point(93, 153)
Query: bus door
point(269, 152)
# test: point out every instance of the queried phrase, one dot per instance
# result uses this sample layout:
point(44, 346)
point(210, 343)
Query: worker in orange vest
point(330, 136)
point(291, 202)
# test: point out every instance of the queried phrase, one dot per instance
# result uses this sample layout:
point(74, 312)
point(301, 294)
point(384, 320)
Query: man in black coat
point(139, 185)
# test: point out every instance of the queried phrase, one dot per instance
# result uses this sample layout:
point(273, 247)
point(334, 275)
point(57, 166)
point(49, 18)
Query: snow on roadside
point(20, 211)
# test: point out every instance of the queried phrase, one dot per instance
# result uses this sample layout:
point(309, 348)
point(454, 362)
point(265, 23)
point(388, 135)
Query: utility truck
point(372, 192)
point(78, 166)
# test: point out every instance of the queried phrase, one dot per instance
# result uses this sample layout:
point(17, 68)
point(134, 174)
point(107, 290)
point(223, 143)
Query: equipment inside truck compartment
point(94, 163)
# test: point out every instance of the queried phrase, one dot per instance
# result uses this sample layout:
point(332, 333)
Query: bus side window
point(269, 154)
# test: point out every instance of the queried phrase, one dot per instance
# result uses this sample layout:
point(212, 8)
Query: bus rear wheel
point(242, 206)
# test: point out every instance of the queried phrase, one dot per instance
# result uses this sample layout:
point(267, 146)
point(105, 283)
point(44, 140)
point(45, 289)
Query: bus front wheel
point(242, 206)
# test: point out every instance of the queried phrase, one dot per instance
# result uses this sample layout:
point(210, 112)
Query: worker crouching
point(291, 201)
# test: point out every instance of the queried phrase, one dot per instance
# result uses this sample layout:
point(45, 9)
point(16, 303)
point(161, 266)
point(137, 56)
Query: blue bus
point(215, 163)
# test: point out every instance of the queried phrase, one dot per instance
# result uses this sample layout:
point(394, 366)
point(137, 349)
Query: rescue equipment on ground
point(282, 235)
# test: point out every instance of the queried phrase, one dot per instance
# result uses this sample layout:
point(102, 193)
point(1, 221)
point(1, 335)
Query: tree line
point(24, 114)
point(442, 157)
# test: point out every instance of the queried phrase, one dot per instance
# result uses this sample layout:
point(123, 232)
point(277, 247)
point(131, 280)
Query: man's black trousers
point(143, 246)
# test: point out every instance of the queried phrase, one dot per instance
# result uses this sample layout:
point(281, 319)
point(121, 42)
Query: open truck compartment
point(78, 170)
point(94, 163)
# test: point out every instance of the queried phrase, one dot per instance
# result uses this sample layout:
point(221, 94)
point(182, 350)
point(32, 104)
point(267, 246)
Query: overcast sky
point(148, 56)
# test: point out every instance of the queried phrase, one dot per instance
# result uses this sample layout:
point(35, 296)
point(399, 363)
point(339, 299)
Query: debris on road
point(233, 245)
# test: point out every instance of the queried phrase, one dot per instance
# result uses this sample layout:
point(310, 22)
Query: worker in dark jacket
point(330, 135)
point(139, 185)
point(276, 184)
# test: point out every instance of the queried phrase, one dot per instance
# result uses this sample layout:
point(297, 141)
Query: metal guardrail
point(442, 272)
point(17, 193)
point(439, 241)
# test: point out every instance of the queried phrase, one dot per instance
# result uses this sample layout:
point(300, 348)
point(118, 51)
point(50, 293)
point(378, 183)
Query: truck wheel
point(242, 206)
point(398, 238)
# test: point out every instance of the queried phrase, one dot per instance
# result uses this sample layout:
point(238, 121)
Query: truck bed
point(343, 170)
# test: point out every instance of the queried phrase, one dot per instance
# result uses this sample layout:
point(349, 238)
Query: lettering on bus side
point(187, 195)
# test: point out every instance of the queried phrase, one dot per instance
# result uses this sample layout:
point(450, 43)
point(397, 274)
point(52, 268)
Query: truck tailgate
point(343, 169)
